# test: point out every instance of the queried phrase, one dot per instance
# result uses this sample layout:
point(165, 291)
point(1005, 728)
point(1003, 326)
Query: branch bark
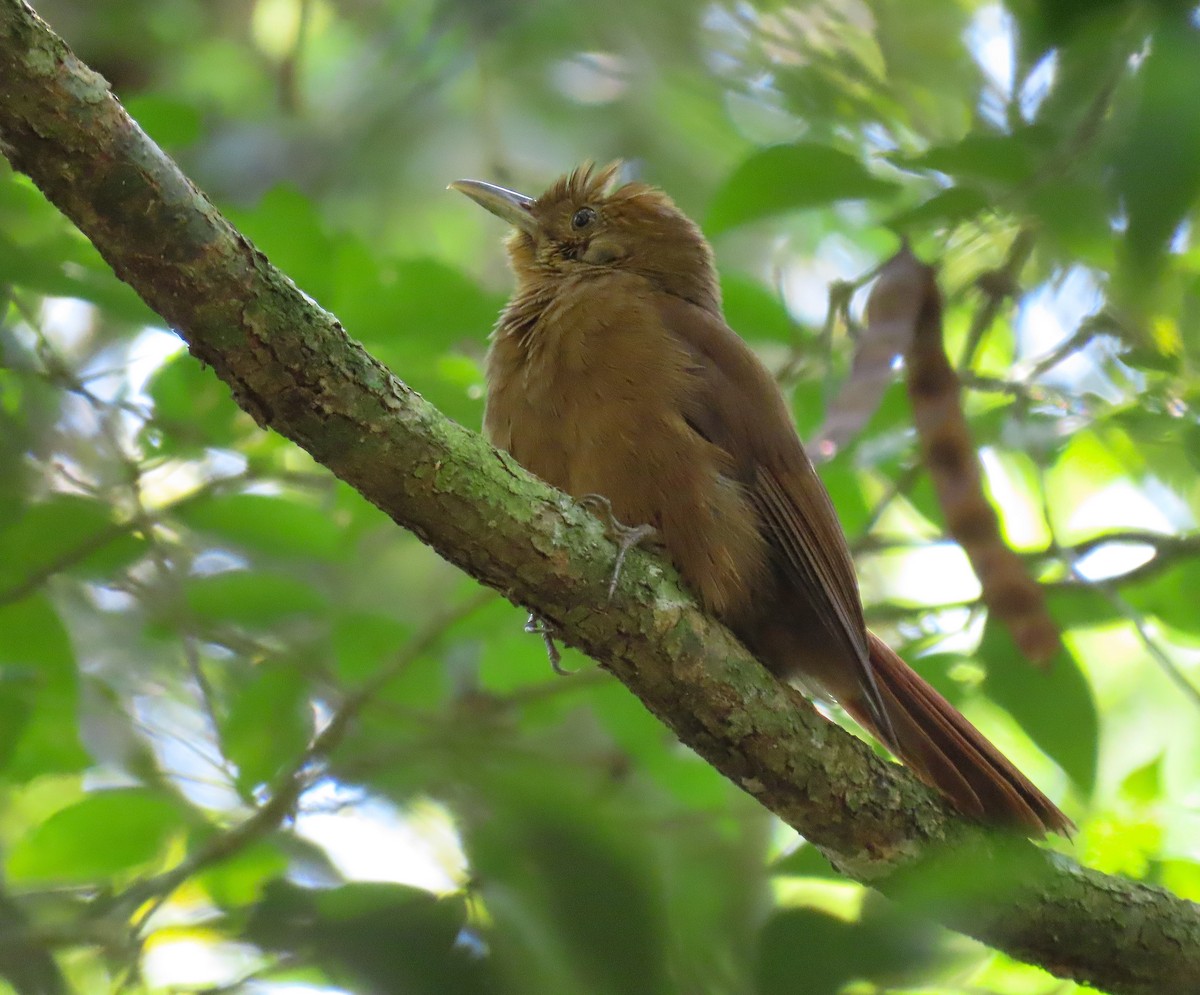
point(292, 366)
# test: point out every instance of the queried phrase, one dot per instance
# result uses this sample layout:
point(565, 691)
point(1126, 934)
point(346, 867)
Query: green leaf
point(1144, 786)
point(425, 320)
point(653, 750)
point(374, 937)
point(806, 861)
point(1158, 160)
point(363, 644)
point(279, 526)
point(943, 210)
point(573, 891)
point(171, 123)
point(63, 264)
point(64, 530)
point(756, 312)
point(193, 408)
point(1169, 595)
point(242, 878)
point(41, 694)
point(1054, 706)
point(252, 598)
point(104, 834)
point(1005, 159)
point(1076, 216)
point(804, 951)
point(845, 490)
point(287, 226)
point(18, 689)
point(269, 725)
point(1079, 606)
point(788, 178)
point(1180, 876)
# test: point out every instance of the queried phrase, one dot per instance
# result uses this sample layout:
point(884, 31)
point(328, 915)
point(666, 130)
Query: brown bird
point(612, 372)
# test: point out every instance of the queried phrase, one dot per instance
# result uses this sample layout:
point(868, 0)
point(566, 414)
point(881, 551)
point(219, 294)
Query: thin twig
point(997, 286)
point(1122, 607)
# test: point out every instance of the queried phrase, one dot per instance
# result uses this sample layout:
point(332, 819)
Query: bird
point(612, 372)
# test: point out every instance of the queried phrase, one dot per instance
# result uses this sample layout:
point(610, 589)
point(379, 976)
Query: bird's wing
point(736, 405)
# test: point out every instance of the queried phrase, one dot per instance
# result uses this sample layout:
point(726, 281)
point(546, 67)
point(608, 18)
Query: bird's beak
point(513, 207)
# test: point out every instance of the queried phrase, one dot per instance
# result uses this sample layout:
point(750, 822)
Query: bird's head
point(586, 225)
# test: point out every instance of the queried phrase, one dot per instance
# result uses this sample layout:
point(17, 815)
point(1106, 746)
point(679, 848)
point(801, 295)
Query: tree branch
point(293, 367)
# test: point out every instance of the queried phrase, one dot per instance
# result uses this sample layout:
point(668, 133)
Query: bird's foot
point(625, 536)
point(538, 626)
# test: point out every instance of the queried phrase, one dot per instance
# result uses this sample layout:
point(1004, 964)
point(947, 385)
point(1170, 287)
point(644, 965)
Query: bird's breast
point(592, 397)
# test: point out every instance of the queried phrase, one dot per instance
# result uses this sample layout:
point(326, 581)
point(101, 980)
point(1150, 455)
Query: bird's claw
point(625, 536)
point(537, 626)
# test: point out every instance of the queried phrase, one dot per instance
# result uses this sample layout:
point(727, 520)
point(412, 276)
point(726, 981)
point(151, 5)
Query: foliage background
point(186, 601)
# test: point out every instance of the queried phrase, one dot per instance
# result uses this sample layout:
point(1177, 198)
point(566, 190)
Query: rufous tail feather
point(942, 748)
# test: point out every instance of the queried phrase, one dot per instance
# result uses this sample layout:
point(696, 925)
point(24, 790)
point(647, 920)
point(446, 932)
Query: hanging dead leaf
point(891, 322)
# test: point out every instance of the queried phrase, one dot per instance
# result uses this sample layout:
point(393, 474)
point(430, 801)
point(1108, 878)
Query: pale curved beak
point(513, 207)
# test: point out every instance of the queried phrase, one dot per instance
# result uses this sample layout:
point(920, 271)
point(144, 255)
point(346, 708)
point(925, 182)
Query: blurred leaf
point(1167, 594)
point(845, 489)
point(1144, 785)
point(791, 178)
point(808, 399)
point(650, 749)
point(1180, 876)
point(1158, 189)
point(64, 264)
point(944, 209)
point(280, 526)
point(440, 303)
point(1077, 218)
point(415, 315)
point(66, 529)
point(171, 123)
point(1005, 159)
point(363, 644)
point(1080, 606)
point(575, 899)
point(938, 668)
point(804, 951)
point(18, 687)
point(1125, 846)
point(41, 694)
point(376, 937)
point(1058, 20)
point(806, 861)
point(287, 227)
point(269, 725)
point(1054, 706)
point(106, 833)
point(27, 965)
point(251, 597)
point(242, 878)
point(807, 952)
point(194, 407)
point(755, 312)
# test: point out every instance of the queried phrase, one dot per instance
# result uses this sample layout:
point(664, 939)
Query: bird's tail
point(942, 748)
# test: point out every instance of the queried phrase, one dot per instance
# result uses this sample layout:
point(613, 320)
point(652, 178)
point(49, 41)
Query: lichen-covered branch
point(294, 368)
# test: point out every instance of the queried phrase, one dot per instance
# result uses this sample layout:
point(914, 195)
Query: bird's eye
point(582, 218)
